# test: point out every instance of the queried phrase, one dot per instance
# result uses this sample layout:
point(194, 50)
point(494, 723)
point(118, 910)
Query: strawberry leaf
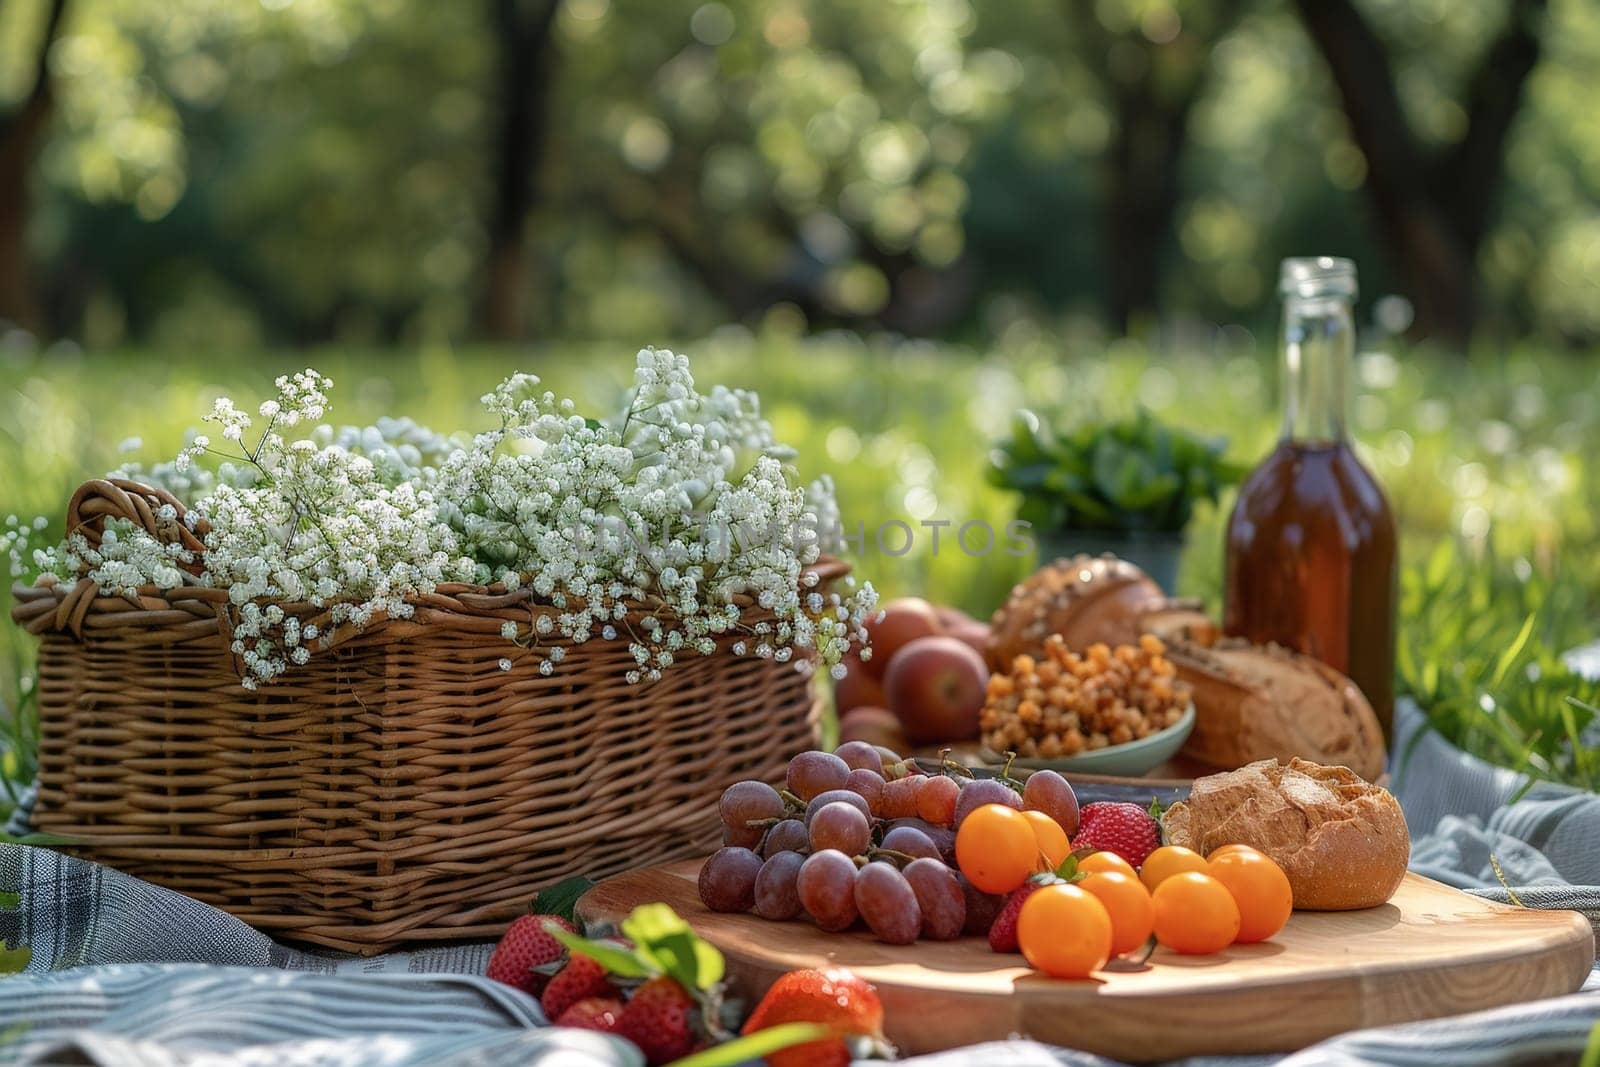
point(617, 960)
point(1155, 809)
point(695, 964)
point(664, 938)
point(10, 901)
point(562, 898)
point(755, 1046)
point(1068, 870)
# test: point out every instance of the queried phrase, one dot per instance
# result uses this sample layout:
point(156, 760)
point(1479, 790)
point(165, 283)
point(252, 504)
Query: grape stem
point(899, 859)
point(949, 765)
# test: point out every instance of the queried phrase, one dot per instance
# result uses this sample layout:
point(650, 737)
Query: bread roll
point(1179, 620)
point(1343, 843)
point(1255, 702)
point(1088, 600)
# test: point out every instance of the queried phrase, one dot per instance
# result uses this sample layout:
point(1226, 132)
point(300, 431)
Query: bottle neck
point(1319, 341)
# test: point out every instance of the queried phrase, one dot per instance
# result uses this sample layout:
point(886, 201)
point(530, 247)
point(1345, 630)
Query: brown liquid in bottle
point(1311, 542)
point(1311, 564)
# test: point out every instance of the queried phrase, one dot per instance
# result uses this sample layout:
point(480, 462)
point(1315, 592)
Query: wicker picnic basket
point(402, 786)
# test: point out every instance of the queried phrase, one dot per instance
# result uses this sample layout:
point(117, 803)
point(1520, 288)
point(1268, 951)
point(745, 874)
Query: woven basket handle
point(119, 498)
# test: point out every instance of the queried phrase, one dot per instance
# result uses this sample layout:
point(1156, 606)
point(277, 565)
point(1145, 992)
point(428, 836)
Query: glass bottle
point(1311, 541)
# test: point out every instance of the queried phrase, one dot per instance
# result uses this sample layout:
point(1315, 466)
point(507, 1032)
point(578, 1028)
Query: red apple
point(937, 685)
point(902, 621)
point(875, 726)
point(971, 632)
point(950, 618)
point(857, 688)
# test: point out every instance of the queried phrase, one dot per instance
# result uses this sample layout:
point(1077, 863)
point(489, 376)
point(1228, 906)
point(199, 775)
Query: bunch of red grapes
point(859, 834)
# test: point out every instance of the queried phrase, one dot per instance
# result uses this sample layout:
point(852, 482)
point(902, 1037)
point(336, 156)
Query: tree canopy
point(211, 171)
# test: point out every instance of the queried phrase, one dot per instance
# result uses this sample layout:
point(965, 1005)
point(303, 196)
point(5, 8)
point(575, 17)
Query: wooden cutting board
point(1431, 951)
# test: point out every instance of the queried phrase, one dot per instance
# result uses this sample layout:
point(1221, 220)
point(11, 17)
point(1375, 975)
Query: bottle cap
point(1312, 277)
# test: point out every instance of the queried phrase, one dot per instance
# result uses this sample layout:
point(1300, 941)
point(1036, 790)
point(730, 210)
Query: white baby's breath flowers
point(126, 559)
point(233, 421)
point(17, 540)
point(679, 513)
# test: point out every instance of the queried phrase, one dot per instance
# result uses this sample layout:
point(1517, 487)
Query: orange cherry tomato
point(1195, 914)
point(1225, 849)
point(1053, 844)
point(1167, 861)
point(1064, 931)
point(1259, 887)
point(1106, 861)
point(996, 848)
point(1127, 901)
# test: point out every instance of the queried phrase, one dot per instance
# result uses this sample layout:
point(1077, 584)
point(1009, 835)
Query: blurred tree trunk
point(527, 58)
point(20, 134)
point(1153, 85)
point(1142, 196)
point(1432, 208)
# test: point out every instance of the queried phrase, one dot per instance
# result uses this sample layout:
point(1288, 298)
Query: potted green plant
point(1126, 487)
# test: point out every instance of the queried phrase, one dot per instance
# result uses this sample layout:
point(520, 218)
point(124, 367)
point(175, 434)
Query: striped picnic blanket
point(127, 974)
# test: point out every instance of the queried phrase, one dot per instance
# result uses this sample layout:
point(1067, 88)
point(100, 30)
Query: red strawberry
point(1003, 934)
point(836, 999)
point(582, 977)
point(660, 1018)
point(592, 1013)
point(525, 946)
point(1126, 829)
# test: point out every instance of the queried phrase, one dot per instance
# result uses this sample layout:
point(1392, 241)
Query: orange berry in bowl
point(996, 848)
point(1194, 914)
point(1128, 903)
point(1064, 932)
point(1107, 861)
point(1052, 839)
point(1167, 861)
point(1260, 889)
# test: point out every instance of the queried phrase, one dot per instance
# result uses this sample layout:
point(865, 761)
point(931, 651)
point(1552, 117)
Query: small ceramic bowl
point(1128, 760)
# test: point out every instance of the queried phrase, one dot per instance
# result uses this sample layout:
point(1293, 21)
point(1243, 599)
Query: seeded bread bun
point(1255, 702)
point(1342, 842)
point(1088, 600)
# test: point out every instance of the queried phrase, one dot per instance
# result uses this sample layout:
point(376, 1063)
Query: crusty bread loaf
point(1088, 600)
point(1342, 842)
point(1255, 702)
point(1179, 620)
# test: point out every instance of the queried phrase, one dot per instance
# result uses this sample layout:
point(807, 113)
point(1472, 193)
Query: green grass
point(1483, 460)
point(1591, 1049)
